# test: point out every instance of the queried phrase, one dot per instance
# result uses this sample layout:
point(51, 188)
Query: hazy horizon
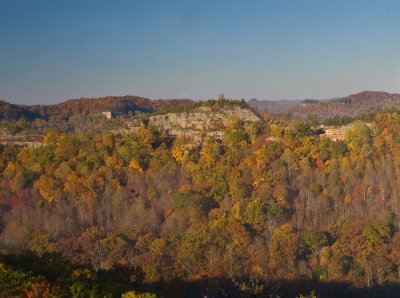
point(205, 99)
point(55, 50)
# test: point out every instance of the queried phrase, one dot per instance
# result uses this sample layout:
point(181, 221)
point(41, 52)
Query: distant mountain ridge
point(350, 105)
point(86, 106)
point(273, 105)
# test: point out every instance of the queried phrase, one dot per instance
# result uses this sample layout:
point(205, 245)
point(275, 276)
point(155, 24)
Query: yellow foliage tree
point(47, 187)
point(135, 165)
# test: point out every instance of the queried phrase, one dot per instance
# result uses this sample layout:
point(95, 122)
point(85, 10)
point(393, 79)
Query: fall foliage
point(269, 202)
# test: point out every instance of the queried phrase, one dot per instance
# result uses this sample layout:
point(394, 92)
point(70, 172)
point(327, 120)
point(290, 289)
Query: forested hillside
point(351, 105)
point(87, 106)
point(269, 210)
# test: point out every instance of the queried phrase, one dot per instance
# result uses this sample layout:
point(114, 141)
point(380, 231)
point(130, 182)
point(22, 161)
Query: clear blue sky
point(58, 49)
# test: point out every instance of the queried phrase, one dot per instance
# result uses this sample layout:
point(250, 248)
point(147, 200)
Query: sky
point(53, 50)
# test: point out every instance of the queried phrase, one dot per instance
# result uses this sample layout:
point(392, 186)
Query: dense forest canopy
point(267, 206)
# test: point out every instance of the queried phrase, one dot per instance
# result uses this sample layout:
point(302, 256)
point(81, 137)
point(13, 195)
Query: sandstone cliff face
point(336, 133)
point(21, 139)
point(203, 118)
point(199, 123)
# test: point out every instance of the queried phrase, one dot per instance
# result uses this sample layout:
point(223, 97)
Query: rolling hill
point(86, 106)
point(350, 105)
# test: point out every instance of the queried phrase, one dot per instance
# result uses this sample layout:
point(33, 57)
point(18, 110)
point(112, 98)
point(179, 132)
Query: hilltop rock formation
point(336, 133)
point(197, 123)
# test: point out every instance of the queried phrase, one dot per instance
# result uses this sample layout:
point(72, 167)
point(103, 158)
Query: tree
point(41, 289)
point(377, 232)
point(285, 250)
point(13, 282)
point(314, 239)
point(359, 135)
point(48, 187)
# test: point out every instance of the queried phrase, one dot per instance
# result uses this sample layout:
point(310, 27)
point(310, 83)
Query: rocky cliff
point(336, 133)
point(21, 139)
point(197, 123)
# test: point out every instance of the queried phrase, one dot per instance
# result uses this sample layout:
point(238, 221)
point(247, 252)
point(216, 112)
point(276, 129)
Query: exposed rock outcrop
point(336, 133)
point(196, 124)
point(21, 139)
